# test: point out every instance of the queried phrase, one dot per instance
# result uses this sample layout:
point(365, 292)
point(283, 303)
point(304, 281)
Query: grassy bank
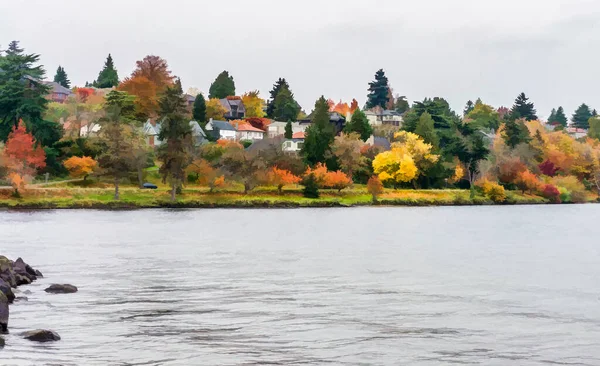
point(101, 197)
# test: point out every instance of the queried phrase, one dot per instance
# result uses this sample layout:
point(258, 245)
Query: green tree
point(62, 78)
point(552, 118)
point(523, 109)
point(425, 128)
point(484, 116)
point(581, 116)
point(311, 186)
point(469, 107)
point(286, 107)
point(22, 93)
point(378, 91)
point(289, 132)
point(515, 133)
point(199, 110)
point(594, 131)
point(401, 104)
point(319, 135)
point(222, 87)
point(281, 83)
point(118, 134)
point(359, 123)
point(471, 149)
point(558, 117)
point(176, 134)
point(108, 76)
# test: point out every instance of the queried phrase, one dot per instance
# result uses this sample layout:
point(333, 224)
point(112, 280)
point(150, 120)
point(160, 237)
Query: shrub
point(576, 189)
point(311, 188)
point(337, 180)
point(552, 193)
point(493, 191)
point(375, 187)
point(565, 194)
point(527, 181)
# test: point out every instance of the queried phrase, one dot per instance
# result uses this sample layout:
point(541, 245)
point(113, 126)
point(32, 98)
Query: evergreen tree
point(222, 87)
point(425, 128)
point(523, 109)
point(552, 118)
point(402, 104)
point(359, 123)
point(594, 131)
point(594, 113)
point(178, 85)
point(61, 78)
point(561, 117)
point(22, 93)
point(280, 84)
point(582, 116)
point(515, 133)
point(108, 77)
point(311, 188)
point(176, 134)
point(471, 149)
point(378, 91)
point(319, 135)
point(469, 107)
point(286, 107)
point(199, 110)
point(289, 132)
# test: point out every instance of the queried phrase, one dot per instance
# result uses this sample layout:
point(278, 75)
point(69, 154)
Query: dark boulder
point(7, 290)
point(61, 289)
point(3, 313)
point(6, 271)
point(23, 269)
point(41, 335)
point(22, 280)
point(21, 298)
point(2, 343)
point(38, 273)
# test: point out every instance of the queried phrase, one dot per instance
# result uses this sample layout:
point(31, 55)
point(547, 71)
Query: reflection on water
point(368, 286)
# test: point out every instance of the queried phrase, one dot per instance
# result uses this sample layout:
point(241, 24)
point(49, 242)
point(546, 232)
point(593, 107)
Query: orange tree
point(80, 167)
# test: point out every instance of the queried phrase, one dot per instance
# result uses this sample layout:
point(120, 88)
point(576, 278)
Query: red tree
point(22, 156)
point(548, 168)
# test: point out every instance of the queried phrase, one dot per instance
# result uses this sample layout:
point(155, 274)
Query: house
point(337, 120)
point(249, 132)
point(277, 128)
point(292, 145)
point(380, 142)
point(151, 130)
point(189, 100)
point(58, 93)
point(221, 130)
point(576, 132)
point(234, 107)
point(379, 116)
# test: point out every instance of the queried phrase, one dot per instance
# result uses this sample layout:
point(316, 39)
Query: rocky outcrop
point(3, 313)
point(12, 274)
point(2, 342)
point(41, 335)
point(61, 289)
point(6, 289)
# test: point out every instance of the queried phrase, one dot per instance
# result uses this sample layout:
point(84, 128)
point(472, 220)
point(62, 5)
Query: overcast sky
point(456, 49)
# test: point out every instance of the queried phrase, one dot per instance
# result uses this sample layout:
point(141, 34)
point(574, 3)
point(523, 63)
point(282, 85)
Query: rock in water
point(2, 342)
point(38, 273)
point(41, 335)
point(61, 289)
point(3, 313)
point(7, 291)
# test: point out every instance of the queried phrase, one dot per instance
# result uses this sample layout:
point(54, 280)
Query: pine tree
point(108, 77)
point(289, 132)
point(561, 117)
point(22, 93)
point(286, 107)
point(178, 85)
point(199, 109)
point(62, 78)
point(515, 133)
point(359, 123)
point(281, 84)
point(319, 135)
point(176, 134)
point(582, 116)
point(469, 107)
point(311, 188)
point(222, 87)
point(552, 118)
point(378, 91)
point(401, 104)
point(523, 109)
point(425, 128)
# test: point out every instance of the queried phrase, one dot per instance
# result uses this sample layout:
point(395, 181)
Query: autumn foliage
point(375, 187)
point(551, 192)
point(21, 156)
point(326, 179)
point(280, 177)
point(526, 181)
point(80, 167)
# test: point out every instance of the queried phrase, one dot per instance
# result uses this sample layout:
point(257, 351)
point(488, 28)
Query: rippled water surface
point(365, 286)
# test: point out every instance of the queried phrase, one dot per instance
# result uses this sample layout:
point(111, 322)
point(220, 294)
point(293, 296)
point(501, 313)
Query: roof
point(228, 103)
point(382, 142)
point(150, 129)
point(57, 88)
point(264, 144)
point(222, 125)
point(298, 135)
point(189, 98)
point(196, 129)
point(249, 127)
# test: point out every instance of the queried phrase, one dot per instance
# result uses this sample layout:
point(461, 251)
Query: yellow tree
point(254, 104)
point(215, 110)
point(406, 161)
point(80, 167)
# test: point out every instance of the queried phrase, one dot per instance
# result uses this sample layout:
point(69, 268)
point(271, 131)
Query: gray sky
point(457, 49)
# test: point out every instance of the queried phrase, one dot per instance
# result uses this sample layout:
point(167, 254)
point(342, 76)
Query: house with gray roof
point(221, 130)
point(58, 93)
point(152, 130)
point(234, 107)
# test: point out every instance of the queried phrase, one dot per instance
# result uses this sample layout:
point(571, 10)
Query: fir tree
point(425, 128)
point(176, 134)
point(378, 91)
point(199, 110)
point(561, 117)
point(62, 78)
point(286, 107)
point(319, 135)
point(311, 188)
point(222, 87)
point(22, 93)
point(402, 104)
point(468, 108)
point(515, 133)
point(108, 77)
point(582, 116)
point(280, 84)
point(359, 123)
point(552, 118)
point(289, 132)
point(523, 109)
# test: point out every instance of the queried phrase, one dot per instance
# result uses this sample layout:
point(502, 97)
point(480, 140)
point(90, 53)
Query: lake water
point(363, 286)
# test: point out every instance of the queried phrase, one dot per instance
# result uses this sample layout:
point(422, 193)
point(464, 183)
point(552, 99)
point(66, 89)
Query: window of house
point(300, 145)
point(288, 144)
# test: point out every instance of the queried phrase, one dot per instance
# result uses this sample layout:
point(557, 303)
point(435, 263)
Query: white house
point(221, 130)
point(576, 132)
point(294, 144)
point(249, 132)
point(378, 116)
point(277, 128)
point(151, 132)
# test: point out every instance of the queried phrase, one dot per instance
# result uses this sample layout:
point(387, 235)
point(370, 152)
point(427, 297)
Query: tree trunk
point(246, 188)
point(173, 192)
point(280, 189)
point(140, 177)
point(117, 196)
